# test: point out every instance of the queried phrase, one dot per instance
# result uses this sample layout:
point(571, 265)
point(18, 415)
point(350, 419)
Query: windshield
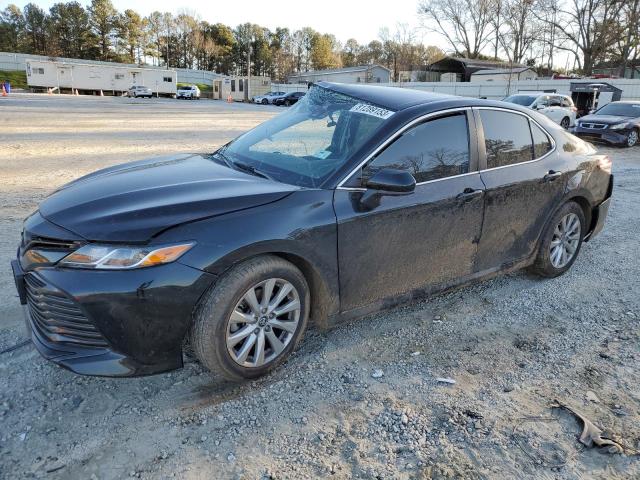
point(524, 100)
point(620, 109)
point(311, 140)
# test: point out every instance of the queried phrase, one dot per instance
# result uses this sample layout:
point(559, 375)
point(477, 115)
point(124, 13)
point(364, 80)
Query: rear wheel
point(565, 123)
point(252, 319)
point(561, 241)
point(265, 101)
point(632, 138)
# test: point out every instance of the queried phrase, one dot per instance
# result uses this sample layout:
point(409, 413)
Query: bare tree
point(465, 24)
point(627, 47)
point(586, 28)
point(518, 30)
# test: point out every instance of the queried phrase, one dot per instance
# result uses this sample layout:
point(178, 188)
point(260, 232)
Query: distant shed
point(504, 74)
point(359, 74)
point(462, 68)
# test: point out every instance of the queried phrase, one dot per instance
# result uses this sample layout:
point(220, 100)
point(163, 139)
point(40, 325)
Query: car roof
point(629, 102)
point(388, 97)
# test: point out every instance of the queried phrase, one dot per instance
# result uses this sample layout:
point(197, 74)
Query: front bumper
point(599, 135)
point(111, 323)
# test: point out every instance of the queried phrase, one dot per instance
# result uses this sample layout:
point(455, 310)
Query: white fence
point(498, 90)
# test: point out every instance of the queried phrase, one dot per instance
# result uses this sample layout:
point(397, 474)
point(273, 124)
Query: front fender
point(301, 228)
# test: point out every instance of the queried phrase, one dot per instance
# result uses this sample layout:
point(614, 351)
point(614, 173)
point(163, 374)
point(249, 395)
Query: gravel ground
point(360, 401)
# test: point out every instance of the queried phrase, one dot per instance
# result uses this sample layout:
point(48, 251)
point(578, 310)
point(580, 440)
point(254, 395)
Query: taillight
point(574, 109)
point(604, 164)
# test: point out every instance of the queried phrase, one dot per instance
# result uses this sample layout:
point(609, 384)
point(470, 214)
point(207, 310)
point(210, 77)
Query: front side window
point(307, 143)
point(507, 138)
point(435, 149)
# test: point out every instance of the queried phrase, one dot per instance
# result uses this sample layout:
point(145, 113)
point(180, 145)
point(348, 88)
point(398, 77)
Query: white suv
point(559, 108)
point(188, 91)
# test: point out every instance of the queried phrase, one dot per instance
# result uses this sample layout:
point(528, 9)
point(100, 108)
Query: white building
point(361, 74)
point(86, 77)
point(504, 75)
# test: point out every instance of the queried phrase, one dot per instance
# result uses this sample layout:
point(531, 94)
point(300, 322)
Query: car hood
point(135, 201)
point(606, 119)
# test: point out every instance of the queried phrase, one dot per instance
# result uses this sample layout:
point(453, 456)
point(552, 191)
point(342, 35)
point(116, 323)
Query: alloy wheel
point(263, 323)
point(565, 123)
point(632, 138)
point(565, 241)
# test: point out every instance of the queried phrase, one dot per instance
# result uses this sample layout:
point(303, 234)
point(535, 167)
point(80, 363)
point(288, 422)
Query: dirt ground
point(360, 401)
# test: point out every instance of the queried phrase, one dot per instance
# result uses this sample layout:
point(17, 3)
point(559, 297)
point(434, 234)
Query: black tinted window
point(541, 142)
point(434, 149)
point(507, 138)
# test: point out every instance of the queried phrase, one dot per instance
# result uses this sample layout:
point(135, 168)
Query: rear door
point(424, 238)
point(524, 183)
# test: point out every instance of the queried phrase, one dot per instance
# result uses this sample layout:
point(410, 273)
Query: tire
point(632, 138)
point(565, 123)
point(212, 329)
point(547, 264)
point(287, 103)
point(265, 101)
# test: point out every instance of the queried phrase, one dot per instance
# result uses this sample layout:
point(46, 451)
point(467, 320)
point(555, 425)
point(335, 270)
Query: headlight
point(111, 257)
point(618, 126)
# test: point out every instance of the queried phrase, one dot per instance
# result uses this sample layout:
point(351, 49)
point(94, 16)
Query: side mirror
point(388, 181)
point(392, 180)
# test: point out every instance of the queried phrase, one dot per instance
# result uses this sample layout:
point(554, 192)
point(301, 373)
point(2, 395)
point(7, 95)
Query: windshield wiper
point(237, 165)
point(245, 167)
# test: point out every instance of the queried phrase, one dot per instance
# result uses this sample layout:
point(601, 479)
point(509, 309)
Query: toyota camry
point(356, 199)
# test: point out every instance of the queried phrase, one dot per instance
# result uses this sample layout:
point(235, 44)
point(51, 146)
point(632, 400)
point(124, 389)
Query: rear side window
point(507, 138)
point(435, 149)
point(567, 102)
point(541, 142)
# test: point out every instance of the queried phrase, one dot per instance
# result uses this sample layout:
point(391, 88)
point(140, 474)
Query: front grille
point(57, 317)
point(594, 126)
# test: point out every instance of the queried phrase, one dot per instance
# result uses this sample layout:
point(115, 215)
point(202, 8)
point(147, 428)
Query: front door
point(401, 243)
point(524, 182)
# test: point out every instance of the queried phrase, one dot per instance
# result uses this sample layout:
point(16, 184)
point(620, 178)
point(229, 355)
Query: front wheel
point(632, 138)
point(252, 319)
point(561, 241)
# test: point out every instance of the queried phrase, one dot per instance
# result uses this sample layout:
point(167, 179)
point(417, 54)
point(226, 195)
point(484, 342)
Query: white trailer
point(57, 76)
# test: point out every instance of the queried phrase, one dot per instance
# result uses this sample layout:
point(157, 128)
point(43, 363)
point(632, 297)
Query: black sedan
point(616, 123)
point(289, 99)
point(358, 198)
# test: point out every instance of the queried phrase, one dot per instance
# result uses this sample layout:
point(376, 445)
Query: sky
point(359, 19)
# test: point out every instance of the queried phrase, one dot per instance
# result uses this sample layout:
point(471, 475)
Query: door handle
point(469, 194)
point(551, 176)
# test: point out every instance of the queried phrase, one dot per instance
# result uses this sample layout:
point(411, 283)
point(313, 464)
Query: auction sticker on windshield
point(371, 110)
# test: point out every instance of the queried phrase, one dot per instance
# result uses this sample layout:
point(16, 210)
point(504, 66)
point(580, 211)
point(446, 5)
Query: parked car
point(559, 108)
point(191, 92)
point(289, 99)
point(616, 123)
point(268, 98)
point(359, 199)
point(139, 91)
